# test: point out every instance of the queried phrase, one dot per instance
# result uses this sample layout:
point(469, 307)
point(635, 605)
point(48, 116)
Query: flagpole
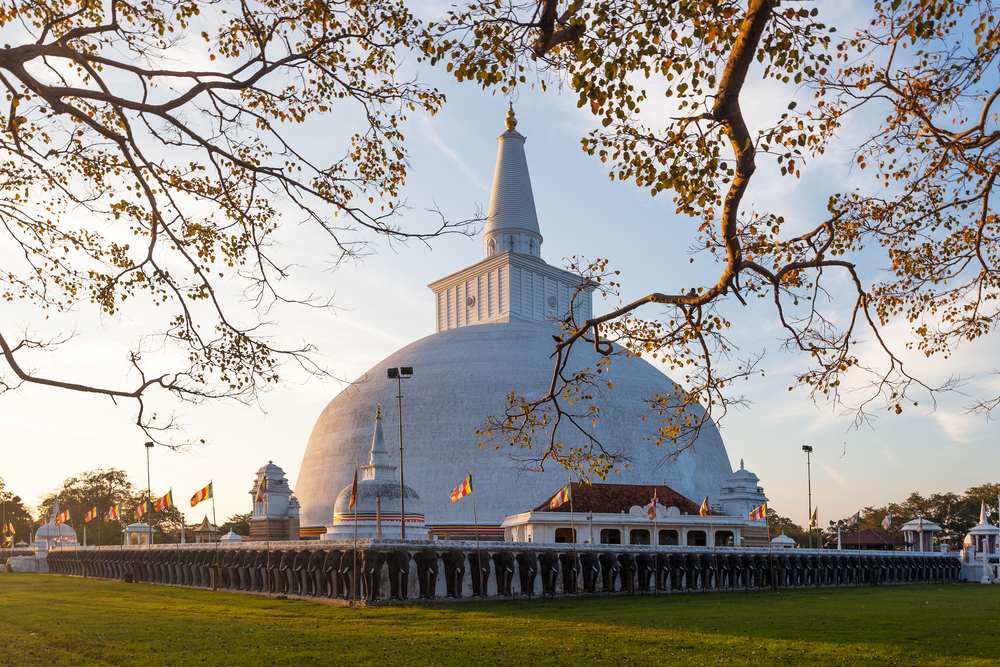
point(354, 576)
point(215, 524)
point(715, 557)
point(267, 536)
point(475, 522)
point(572, 523)
point(656, 540)
point(770, 556)
point(856, 532)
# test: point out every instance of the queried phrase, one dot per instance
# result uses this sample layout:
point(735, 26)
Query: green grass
point(53, 620)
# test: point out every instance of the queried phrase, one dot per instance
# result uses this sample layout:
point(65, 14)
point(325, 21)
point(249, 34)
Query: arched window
point(668, 537)
point(638, 536)
point(611, 536)
point(725, 538)
point(510, 243)
point(565, 535)
point(697, 538)
point(531, 246)
point(491, 247)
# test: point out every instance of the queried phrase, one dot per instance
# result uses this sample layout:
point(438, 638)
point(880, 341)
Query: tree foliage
point(955, 513)
point(149, 157)
point(17, 514)
point(931, 222)
point(238, 523)
point(103, 489)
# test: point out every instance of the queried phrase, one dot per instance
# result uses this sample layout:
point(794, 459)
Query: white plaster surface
point(460, 377)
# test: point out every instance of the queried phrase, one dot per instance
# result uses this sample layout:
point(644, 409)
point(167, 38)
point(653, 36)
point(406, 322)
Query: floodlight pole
point(397, 375)
point(808, 450)
point(149, 514)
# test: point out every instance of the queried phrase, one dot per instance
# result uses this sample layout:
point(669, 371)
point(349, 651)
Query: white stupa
point(52, 535)
point(495, 321)
point(983, 537)
point(377, 503)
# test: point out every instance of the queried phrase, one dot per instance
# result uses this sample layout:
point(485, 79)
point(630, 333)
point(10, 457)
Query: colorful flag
point(651, 512)
point(164, 502)
point(92, 514)
point(560, 498)
point(354, 491)
point(63, 518)
point(704, 508)
point(920, 525)
point(8, 529)
point(812, 519)
point(204, 494)
point(462, 490)
point(758, 513)
point(114, 512)
point(887, 521)
point(853, 519)
point(262, 489)
point(143, 509)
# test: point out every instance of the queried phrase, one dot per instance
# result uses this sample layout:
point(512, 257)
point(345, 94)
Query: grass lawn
point(54, 620)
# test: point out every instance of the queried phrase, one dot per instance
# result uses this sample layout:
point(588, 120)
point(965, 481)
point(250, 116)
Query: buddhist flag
point(887, 521)
point(651, 512)
point(920, 525)
point(560, 498)
point(354, 489)
point(8, 529)
point(204, 494)
point(142, 509)
point(758, 513)
point(92, 514)
point(704, 508)
point(63, 518)
point(812, 519)
point(114, 512)
point(853, 519)
point(164, 502)
point(462, 490)
point(262, 488)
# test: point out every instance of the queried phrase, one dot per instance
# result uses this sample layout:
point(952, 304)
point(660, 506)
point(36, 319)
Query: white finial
point(741, 464)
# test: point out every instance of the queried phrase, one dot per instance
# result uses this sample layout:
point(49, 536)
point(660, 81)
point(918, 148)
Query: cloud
point(837, 477)
point(427, 128)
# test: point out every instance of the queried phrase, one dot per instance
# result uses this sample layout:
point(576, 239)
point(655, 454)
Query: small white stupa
point(52, 535)
point(377, 507)
point(983, 536)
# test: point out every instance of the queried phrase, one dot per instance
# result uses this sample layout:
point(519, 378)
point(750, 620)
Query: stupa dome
point(54, 531)
point(460, 377)
point(495, 323)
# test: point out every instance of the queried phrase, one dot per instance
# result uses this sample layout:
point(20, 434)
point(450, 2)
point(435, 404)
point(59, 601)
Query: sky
point(48, 435)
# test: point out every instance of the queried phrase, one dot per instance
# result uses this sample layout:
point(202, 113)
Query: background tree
point(778, 525)
point(104, 488)
point(238, 523)
point(16, 513)
point(147, 159)
point(933, 227)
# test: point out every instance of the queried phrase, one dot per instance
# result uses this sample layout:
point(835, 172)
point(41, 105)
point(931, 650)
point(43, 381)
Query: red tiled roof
point(872, 536)
point(616, 498)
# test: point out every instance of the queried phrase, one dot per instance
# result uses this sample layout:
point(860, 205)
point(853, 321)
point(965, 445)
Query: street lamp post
point(808, 450)
point(149, 516)
point(399, 374)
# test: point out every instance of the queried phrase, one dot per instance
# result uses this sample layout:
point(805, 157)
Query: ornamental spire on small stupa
point(378, 460)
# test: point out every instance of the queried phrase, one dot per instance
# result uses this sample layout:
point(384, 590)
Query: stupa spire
point(512, 223)
point(378, 460)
